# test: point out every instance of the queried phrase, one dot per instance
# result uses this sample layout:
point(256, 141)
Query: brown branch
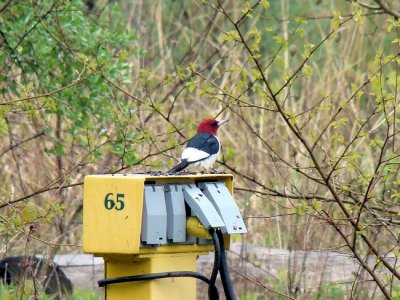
point(359, 258)
point(295, 168)
point(5, 5)
point(366, 5)
point(370, 185)
point(49, 186)
point(166, 118)
point(260, 284)
point(247, 13)
point(313, 50)
point(350, 143)
point(274, 193)
point(16, 145)
point(38, 192)
point(386, 8)
point(16, 159)
point(48, 94)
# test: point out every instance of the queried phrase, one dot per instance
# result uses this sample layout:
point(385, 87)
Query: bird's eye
point(215, 124)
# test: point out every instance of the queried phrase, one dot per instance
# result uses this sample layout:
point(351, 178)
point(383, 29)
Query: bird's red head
point(210, 126)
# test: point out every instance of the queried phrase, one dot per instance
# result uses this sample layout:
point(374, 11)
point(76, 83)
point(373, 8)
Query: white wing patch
point(193, 154)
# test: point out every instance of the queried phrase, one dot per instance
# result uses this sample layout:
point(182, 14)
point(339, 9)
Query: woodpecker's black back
point(206, 144)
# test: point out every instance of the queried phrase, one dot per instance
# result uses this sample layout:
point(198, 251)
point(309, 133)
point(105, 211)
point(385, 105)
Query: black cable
point(217, 263)
point(132, 278)
point(224, 272)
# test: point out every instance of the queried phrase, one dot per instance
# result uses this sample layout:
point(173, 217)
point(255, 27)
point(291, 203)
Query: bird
point(203, 148)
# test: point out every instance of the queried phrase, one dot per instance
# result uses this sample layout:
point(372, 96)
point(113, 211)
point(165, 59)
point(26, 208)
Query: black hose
point(132, 278)
point(217, 262)
point(224, 272)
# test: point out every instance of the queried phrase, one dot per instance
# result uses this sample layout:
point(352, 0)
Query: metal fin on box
point(176, 213)
point(202, 207)
point(154, 219)
point(226, 206)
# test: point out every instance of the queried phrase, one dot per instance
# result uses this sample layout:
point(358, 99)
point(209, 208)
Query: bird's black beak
point(222, 122)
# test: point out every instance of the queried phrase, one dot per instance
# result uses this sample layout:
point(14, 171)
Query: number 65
point(118, 204)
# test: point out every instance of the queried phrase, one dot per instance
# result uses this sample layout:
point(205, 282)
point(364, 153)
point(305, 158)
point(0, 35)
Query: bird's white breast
point(209, 161)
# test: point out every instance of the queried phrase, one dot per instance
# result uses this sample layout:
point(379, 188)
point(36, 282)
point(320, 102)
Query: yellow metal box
point(112, 213)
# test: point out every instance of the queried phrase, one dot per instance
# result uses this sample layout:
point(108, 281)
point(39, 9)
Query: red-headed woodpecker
point(203, 148)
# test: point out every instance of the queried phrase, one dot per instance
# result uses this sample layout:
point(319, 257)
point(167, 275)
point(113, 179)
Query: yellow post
point(168, 288)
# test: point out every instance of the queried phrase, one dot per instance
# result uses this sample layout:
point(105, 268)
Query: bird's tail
point(179, 167)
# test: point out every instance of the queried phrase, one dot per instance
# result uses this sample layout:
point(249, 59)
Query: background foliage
point(310, 87)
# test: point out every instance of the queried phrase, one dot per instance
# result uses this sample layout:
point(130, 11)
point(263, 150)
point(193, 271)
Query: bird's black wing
point(179, 167)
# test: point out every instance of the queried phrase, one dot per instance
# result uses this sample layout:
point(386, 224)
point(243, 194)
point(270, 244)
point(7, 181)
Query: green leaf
point(30, 212)
point(308, 47)
point(392, 23)
point(229, 154)
point(357, 11)
point(300, 20)
point(192, 84)
point(336, 21)
point(265, 3)
point(340, 123)
point(57, 150)
point(307, 70)
point(230, 36)
point(278, 39)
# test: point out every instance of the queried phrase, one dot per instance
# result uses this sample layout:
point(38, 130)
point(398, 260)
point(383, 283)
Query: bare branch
point(386, 8)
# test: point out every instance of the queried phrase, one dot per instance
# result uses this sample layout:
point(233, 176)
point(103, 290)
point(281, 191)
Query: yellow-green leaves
point(31, 212)
point(229, 154)
point(335, 24)
point(247, 9)
point(342, 122)
point(280, 40)
point(307, 70)
point(392, 23)
point(338, 138)
point(396, 41)
point(255, 36)
point(308, 47)
point(357, 91)
point(307, 207)
point(192, 84)
point(123, 55)
point(357, 11)
point(265, 3)
point(300, 20)
point(230, 36)
point(336, 20)
point(292, 118)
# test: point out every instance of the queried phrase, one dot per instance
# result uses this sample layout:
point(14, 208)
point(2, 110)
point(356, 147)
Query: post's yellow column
point(154, 289)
